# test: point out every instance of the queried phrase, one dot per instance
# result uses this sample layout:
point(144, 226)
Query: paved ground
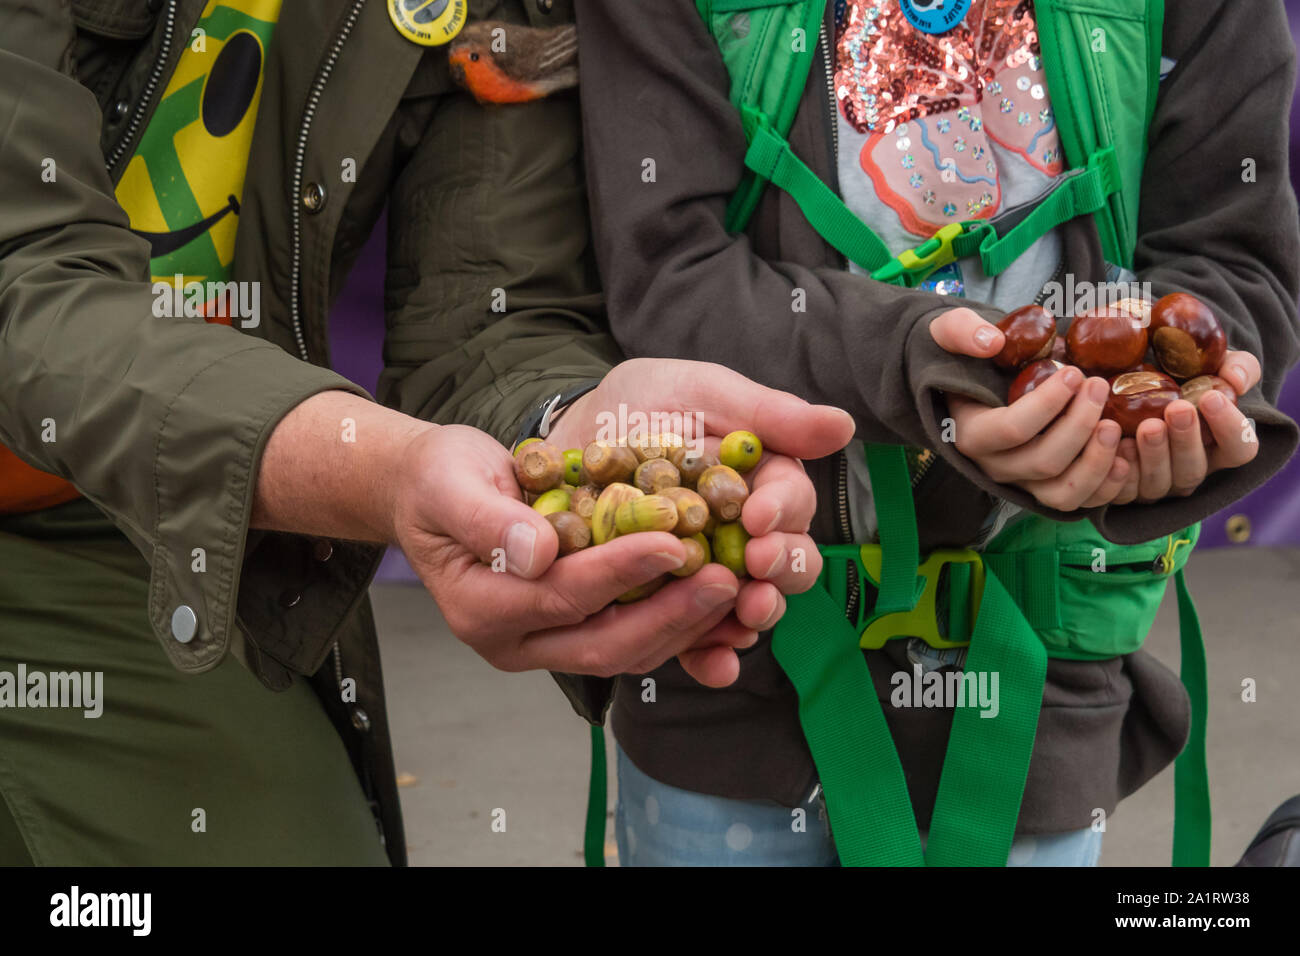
point(472, 741)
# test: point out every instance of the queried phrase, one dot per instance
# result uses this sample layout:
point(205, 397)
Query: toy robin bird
point(508, 63)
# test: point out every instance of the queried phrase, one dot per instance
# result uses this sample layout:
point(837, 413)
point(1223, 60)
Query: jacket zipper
point(1055, 280)
point(842, 471)
point(830, 94)
point(295, 204)
point(142, 106)
point(300, 160)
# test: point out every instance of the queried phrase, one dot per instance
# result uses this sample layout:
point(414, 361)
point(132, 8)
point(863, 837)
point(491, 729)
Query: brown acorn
point(573, 532)
point(582, 501)
point(724, 490)
point(646, 513)
point(692, 511)
point(697, 556)
point(539, 466)
point(646, 447)
point(691, 463)
point(606, 463)
point(655, 474)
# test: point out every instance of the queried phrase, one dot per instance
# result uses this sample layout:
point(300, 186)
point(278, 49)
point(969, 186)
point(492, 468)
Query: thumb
point(964, 332)
point(788, 425)
point(495, 525)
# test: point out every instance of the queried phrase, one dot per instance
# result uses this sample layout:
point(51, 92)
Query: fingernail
point(521, 540)
point(1238, 379)
point(1109, 437)
point(660, 562)
point(776, 565)
point(1098, 391)
point(713, 596)
point(776, 520)
point(1182, 418)
point(1212, 402)
point(1155, 437)
point(1071, 377)
point(984, 336)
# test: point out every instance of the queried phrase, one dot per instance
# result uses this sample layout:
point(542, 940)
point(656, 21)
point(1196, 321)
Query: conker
point(1137, 396)
point(1106, 341)
point(1186, 337)
point(1031, 376)
point(1197, 388)
point(1030, 331)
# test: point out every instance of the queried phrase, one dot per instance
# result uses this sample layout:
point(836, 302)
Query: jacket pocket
point(1107, 595)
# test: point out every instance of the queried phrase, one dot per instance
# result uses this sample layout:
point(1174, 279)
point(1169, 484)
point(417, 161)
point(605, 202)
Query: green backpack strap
point(1089, 51)
point(987, 759)
point(768, 48)
point(1102, 63)
point(593, 839)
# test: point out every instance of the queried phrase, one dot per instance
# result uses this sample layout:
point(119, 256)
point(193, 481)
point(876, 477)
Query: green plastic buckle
point(922, 620)
point(912, 266)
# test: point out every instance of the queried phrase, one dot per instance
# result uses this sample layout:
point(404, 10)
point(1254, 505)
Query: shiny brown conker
point(1031, 376)
point(1106, 341)
point(1137, 396)
point(1029, 332)
point(1186, 337)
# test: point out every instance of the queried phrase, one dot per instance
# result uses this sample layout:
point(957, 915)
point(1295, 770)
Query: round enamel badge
point(935, 16)
point(428, 22)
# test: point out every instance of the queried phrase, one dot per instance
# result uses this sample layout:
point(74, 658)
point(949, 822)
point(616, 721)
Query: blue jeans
point(659, 825)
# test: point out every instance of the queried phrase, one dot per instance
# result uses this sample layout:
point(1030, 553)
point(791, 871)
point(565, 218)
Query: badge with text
point(935, 16)
point(428, 22)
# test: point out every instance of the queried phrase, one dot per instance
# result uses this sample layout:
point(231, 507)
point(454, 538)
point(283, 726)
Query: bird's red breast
point(479, 73)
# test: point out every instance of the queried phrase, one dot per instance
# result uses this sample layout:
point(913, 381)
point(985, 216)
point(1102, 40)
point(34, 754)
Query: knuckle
point(557, 608)
point(1010, 433)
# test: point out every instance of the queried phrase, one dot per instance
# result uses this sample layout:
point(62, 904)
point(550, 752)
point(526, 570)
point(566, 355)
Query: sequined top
point(930, 106)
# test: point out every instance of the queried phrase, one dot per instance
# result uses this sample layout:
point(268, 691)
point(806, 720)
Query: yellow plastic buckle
point(921, 621)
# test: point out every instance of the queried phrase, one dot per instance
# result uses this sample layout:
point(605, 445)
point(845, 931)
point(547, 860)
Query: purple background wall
point(357, 324)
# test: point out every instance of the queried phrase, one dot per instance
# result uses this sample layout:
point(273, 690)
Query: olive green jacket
point(161, 421)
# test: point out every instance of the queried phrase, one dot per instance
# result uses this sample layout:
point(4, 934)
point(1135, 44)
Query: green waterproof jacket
point(161, 421)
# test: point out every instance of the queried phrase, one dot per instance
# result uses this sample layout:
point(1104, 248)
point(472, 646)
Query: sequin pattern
point(931, 104)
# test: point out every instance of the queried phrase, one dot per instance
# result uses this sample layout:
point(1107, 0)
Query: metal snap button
point(361, 720)
point(322, 549)
point(290, 597)
point(313, 197)
point(185, 624)
point(120, 109)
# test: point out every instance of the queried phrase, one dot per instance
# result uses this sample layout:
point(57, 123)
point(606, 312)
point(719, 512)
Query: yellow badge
point(428, 22)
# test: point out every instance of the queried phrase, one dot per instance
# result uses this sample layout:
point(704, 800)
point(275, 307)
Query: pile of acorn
point(1145, 351)
point(648, 483)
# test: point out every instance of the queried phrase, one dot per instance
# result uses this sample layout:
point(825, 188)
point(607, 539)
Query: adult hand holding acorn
point(489, 560)
point(780, 501)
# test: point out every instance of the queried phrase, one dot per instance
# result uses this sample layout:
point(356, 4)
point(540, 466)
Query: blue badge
point(935, 16)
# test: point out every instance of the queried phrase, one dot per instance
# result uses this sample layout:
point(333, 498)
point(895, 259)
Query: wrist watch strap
point(537, 423)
